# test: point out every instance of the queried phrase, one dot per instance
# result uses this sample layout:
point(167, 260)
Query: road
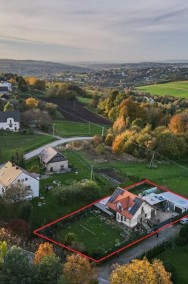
point(54, 144)
point(138, 250)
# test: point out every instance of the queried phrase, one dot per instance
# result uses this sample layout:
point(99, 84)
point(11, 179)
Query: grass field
point(84, 100)
point(93, 232)
point(51, 210)
point(178, 257)
point(70, 129)
point(26, 142)
point(177, 89)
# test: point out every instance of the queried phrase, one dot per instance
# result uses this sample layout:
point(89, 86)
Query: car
point(184, 221)
point(57, 182)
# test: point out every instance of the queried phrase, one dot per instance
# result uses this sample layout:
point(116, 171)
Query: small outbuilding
point(53, 161)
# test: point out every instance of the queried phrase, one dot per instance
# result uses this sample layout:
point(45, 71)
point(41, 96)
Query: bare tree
point(17, 192)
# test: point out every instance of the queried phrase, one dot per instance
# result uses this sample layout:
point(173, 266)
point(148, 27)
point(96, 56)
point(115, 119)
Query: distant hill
point(38, 68)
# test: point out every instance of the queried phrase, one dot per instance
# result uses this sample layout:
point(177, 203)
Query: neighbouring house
point(11, 174)
point(10, 120)
point(3, 90)
point(129, 209)
point(53, 160)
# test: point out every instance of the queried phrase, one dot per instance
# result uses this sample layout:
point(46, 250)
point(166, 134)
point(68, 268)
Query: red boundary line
point(36, 232)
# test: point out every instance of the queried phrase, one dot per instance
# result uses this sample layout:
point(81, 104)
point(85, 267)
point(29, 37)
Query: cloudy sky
point(94, 30)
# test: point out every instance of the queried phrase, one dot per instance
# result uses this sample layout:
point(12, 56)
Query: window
point(26, 178)
point(125, 219)
point(18, 180)
point(145, 215)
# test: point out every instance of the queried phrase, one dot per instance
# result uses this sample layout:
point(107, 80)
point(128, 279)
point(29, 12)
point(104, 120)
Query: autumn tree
point(179, 123)
point(78, 269)
point(3, 251)
point(32, 102)
point(140, 272)
point(47, 270)
point(17, 192)
point(43, 250)
point(8, 107)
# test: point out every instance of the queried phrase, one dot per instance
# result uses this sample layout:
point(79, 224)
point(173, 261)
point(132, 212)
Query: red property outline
point(36, 232)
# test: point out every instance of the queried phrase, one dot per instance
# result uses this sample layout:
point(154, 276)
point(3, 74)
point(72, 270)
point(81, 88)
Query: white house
point(11, 174)
point(10, 120)
point(129, 208)
point(53, 160)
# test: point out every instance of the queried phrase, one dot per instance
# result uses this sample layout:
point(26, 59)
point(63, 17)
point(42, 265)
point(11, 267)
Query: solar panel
point(135, 207)
point(115, 194)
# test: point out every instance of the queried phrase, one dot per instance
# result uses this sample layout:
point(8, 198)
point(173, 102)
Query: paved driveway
point(54, 144)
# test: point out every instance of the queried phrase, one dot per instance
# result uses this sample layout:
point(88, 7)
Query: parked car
point(184, 221)
point(57, 182)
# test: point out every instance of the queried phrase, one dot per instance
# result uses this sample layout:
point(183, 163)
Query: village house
point(10, 120)
point(129, 209)
point(3, 90)
point(53, 161)
point(11, 174)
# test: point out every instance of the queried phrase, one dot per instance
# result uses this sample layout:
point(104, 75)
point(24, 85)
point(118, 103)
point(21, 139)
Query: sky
point(94, 31)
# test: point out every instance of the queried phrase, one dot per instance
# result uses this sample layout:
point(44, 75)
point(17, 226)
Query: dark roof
point(3, 89)
point(9, 114)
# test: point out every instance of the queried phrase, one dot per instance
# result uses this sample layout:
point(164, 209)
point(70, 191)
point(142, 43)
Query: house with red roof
point(129, 208)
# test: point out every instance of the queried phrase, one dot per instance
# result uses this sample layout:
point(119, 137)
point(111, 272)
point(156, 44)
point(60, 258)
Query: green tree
point(69, 238)
point(48, 270)
point(16, 267)
point(25, 211)
point(17, 158)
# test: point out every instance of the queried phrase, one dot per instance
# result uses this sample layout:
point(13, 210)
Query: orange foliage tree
point(32, 102)
point(43, 250)
point(179, 123)
point(140, 271)
point(78, 270)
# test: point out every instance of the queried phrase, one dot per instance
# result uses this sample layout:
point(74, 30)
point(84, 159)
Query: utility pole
point(152, 160)
point(102, 131)
point(53, 129)
point(91, 172)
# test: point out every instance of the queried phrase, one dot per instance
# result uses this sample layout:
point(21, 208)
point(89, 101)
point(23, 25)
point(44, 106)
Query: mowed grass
point(26, 142)
point(178, 257)
point(93, 232)
point(52, 210)
point(177, 89)
point(71, 129)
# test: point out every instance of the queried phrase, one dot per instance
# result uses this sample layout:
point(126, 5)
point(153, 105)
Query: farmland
point(26, 142)
point(177, 89)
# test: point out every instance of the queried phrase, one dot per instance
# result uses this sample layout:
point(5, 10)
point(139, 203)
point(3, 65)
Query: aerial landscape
point(94, 142)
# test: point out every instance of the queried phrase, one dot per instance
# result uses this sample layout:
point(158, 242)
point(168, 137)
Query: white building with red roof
point(129, 209)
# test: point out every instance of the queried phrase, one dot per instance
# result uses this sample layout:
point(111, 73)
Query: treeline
point(142, 127)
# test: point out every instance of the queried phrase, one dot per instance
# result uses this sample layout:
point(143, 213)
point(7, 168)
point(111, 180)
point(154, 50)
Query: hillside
point(38, 68)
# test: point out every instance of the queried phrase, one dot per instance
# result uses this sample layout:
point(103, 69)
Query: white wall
point(32, 182)
point(136, 218)
point(57, 166)
point(5, 125)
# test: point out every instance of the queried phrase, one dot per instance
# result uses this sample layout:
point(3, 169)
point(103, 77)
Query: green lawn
point(52, 210)
point(178, 257)
point(26, 142)
point(169, 175)
point(177, 89)
point(92, 231)
point(84, 100)
point(70, 129)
